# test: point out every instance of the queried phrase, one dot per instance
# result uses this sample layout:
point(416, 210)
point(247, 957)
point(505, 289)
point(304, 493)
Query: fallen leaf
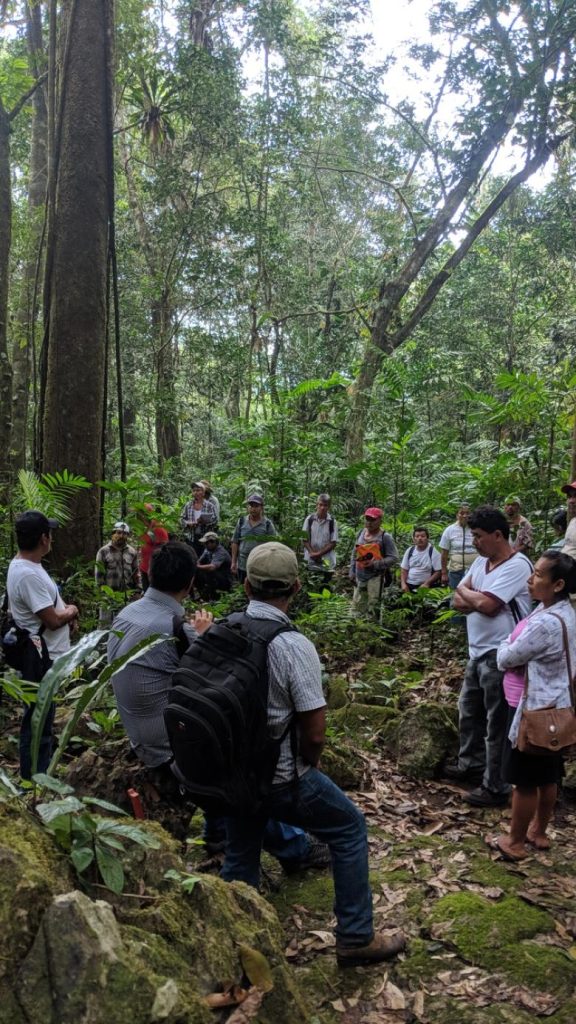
point(249, 1008)
point(339, 1006)
point(418, 1004)
point(256, 968)
point(393, 998)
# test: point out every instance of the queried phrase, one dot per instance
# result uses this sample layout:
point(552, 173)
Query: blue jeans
point(318, 806)
point(45, 749)
point(285, 842)
point(455, 576)
point(483, 718)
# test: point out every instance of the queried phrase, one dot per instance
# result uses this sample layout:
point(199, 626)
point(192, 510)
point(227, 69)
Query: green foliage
point(51, 493)
point(91, 841)
point(334, 630)
point(184, 879)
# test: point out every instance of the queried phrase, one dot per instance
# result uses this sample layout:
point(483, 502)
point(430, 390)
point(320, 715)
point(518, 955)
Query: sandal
point(493, 843)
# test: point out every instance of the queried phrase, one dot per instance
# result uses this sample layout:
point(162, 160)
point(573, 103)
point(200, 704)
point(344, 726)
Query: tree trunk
point(31, 274)
point(167, 435)
point(74, 399)
point(5, 241)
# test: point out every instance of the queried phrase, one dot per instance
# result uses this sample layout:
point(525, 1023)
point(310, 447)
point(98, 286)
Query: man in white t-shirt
point(421, 564)
point(36, 606)
point(457, 548)
point(494, 597)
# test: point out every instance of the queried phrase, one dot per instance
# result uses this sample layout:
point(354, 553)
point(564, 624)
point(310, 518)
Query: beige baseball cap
point(271, 564)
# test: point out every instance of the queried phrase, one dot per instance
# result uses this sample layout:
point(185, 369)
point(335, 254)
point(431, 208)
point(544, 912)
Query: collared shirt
point(294, 685)
point(319, 533)
point(117, 567)
point(248, 535)
point(143, 687)
point(192, 515)
point(507, 582)
point(521, 534)
point(569, 547)
point(540, 646)
point(459, 543)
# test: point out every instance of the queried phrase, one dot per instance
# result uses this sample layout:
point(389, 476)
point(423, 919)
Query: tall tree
point(75, 340)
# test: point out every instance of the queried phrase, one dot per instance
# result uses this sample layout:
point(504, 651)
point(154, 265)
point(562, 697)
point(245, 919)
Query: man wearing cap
point(457, 548)
point(301, 794)
point(569, 547)
point(373, 557)
point(117, 567)
point(213, 573)
point(521, 534)
point(250, 530)
point(321, 530)
point(37, 607)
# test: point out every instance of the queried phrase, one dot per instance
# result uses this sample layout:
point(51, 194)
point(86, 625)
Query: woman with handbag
point(537, 658)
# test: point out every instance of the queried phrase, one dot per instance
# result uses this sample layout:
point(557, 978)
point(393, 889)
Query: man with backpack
point(41, 623)
point(295, 790)
point(321, 533)
point(421, 565)
point(250, 530)
point(373, 557)
point(143, 688)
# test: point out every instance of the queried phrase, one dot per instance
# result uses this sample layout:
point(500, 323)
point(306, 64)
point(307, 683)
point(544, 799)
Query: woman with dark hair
point(559, 523)
point(537, 657)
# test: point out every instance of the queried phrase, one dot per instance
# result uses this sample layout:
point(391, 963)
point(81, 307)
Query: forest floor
point(489, 942)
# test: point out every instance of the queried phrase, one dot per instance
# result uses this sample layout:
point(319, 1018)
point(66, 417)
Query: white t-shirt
point(459, 543)
point(30, 589)
point(420, 564)
point(319, 532)
point(507, 582)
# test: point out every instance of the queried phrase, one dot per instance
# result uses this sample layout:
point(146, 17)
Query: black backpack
point(217, 716)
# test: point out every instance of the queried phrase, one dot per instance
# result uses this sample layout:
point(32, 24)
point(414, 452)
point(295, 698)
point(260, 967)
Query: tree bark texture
point(5, 242)
point(32, 271)
point(167, 435)
point(74, 399)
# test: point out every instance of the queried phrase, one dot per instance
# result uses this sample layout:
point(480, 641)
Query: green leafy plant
point(91, 841)
point(50, 493)
point(184, 879)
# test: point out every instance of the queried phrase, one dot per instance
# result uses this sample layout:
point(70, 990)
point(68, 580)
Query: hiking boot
point(483, 797)
point(318, 856)
point(452, 772)
point(382, 947)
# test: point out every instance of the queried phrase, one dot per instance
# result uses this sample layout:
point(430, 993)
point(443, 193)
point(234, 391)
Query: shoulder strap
point(514, 608)
point(262, 629)
point(430, 550)
point(567, 654)
point(309, 527)
point(410, 552)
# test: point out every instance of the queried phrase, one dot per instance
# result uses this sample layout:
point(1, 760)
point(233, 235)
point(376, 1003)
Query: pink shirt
point(514, 677)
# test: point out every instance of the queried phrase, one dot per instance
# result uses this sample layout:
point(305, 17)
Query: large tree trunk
point(167, 435)
point(5, 241)
point(31, 274)
point(74, 398)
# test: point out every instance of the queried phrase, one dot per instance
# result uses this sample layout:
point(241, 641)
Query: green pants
point(367, 595)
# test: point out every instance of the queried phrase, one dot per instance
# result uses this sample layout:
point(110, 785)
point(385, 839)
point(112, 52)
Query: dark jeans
point(455, 576)
point(45, 750)
point(321, 808)
point(285, 842)
point(483, 721)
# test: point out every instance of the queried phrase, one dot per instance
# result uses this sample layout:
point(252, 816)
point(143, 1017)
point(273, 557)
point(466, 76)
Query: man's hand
point(234, 568)
point(444, 579)
point(201, 621)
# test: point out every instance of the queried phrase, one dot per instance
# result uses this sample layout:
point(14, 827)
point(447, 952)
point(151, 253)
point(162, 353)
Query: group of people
point(518, 657)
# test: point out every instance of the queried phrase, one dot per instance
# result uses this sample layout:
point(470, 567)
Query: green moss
point(337, 692)
point(426, 732)
point(313, 890)
point(493, 935)
point(362, 722)
point(343, 764)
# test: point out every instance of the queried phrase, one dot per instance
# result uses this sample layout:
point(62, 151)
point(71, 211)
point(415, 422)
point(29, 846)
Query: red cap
point(569, 487)
point(374, 513)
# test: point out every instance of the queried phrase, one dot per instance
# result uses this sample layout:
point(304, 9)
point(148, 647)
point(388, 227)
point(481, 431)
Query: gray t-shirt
point(247, 535)
point(30, 590)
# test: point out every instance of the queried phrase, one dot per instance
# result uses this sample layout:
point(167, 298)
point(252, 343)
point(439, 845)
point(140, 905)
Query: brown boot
point(382, 947)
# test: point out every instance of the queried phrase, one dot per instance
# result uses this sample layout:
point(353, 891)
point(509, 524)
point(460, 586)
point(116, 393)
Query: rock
point(150, 955)
point(343, 763)
point(364, 724)
point(426, 733)
point(337, 692)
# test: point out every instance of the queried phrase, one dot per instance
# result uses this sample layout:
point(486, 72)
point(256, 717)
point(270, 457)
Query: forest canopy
point(246, 241)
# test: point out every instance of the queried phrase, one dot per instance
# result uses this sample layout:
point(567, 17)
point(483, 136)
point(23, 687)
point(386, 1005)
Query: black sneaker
point(318, 856)
point(452, 772)
point(483, 797)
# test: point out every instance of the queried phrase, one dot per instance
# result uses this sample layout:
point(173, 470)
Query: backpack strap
point(410, 553)
point(430, 550)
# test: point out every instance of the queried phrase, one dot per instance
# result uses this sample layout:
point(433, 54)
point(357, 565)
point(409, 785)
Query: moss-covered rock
point(67, 957)
point(343, 763)
point(495, 935)
point(337, 691)
point(363, 723)
point(426, 732)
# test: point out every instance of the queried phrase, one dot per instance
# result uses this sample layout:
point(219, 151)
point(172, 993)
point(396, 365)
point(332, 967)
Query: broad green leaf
point(59, 808)
point(110, 869)
point(81, 857)
point(256, 968)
